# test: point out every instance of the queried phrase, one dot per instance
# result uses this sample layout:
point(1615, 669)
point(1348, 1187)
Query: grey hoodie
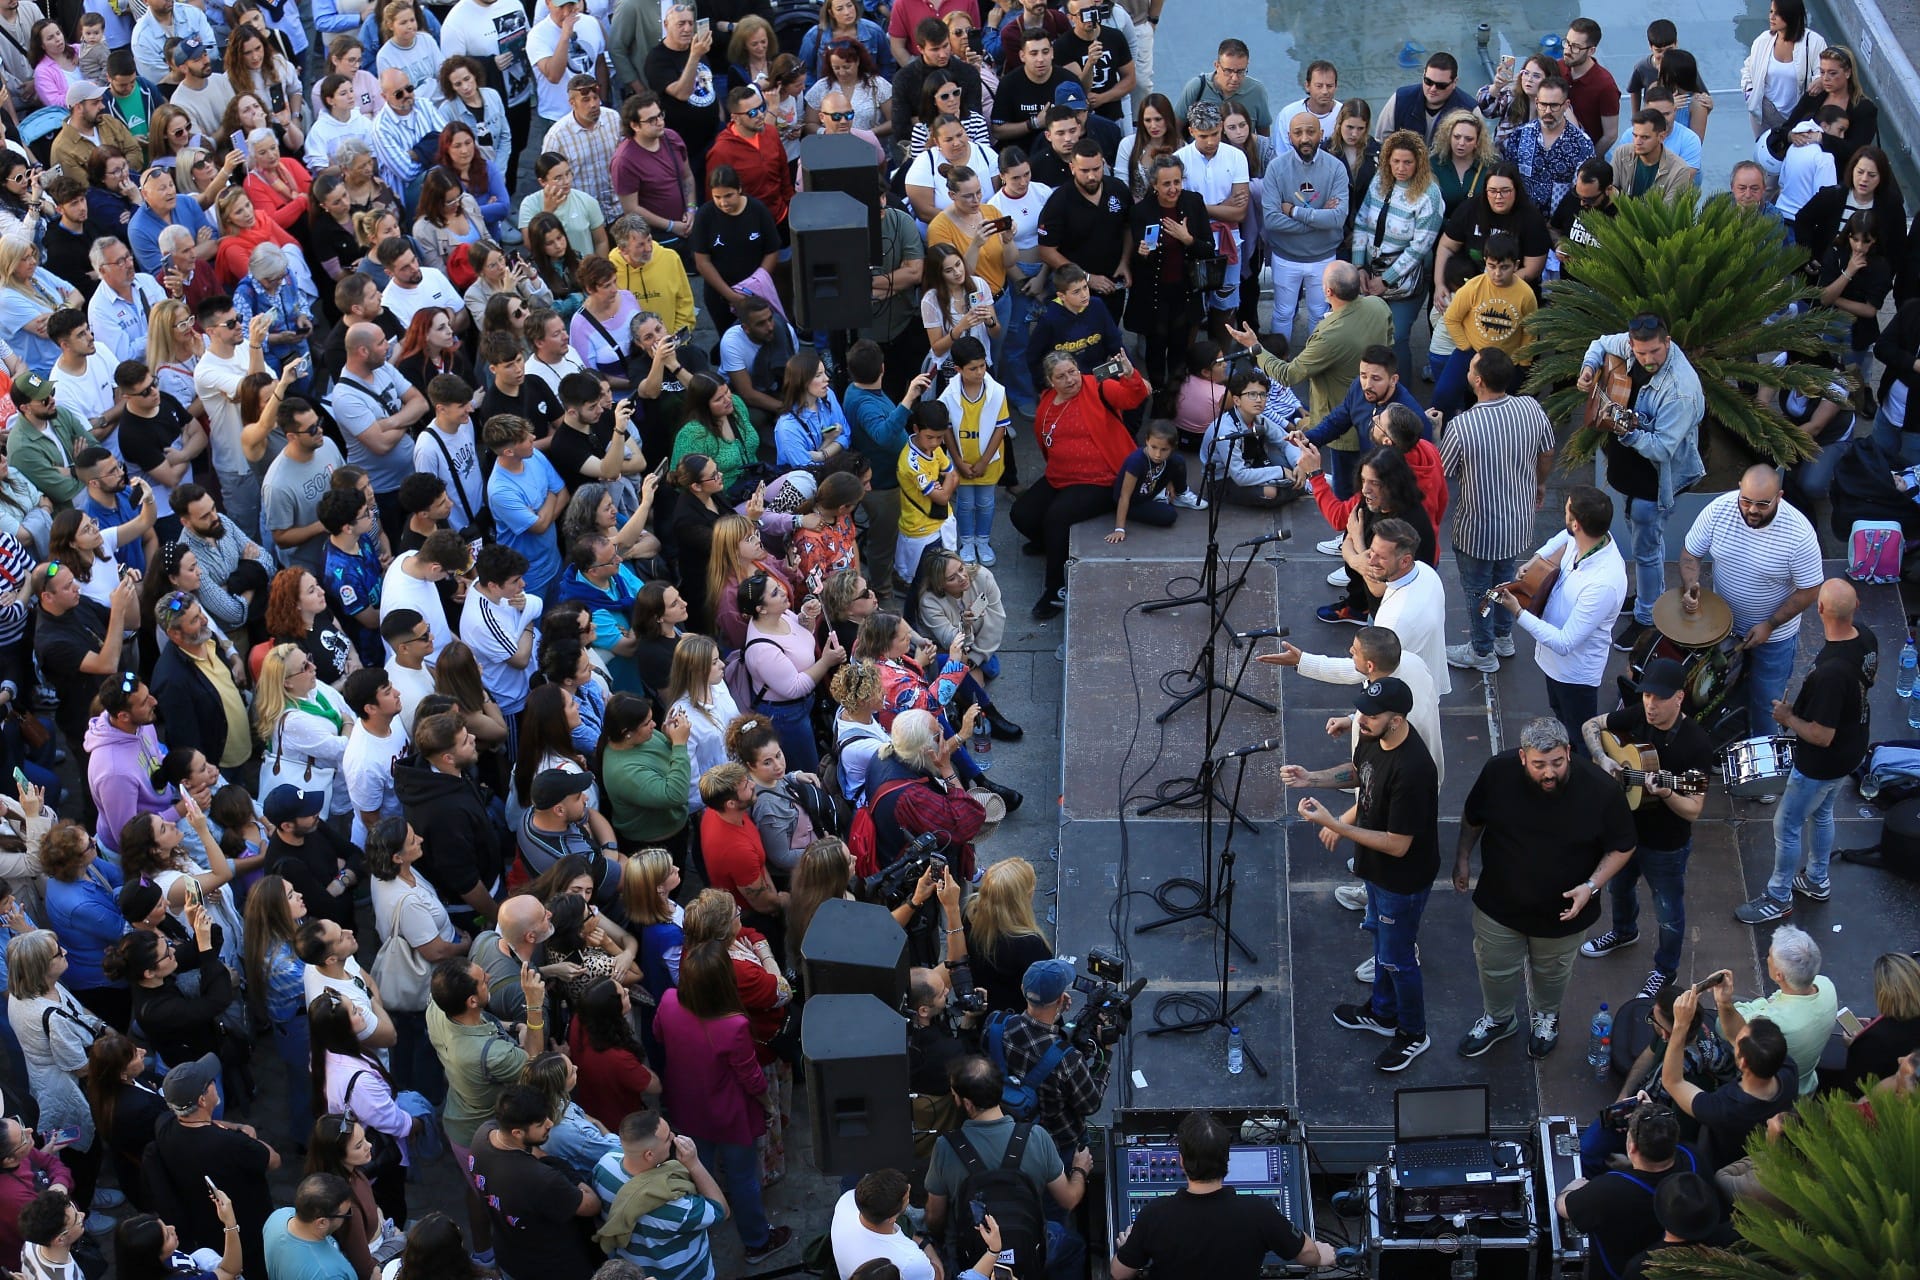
point(1312, 233)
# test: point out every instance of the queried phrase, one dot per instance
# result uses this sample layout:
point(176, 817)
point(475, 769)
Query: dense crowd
point(425, 517)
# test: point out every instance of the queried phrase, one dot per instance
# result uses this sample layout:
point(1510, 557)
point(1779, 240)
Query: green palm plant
point(1850, 1183)
point(1716, 272)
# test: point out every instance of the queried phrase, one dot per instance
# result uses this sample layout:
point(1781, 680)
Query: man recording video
point(1070, 1090)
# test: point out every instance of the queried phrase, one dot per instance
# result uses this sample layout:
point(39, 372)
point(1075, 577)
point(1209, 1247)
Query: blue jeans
point(1016, 322)
point(973, 510)
point(736, 1167)
point(1648, 521)
point(1399, 993)
point(1896, 442)
point(1768, 668)
point(1805, 798)
point(1477, 577)
point(793, 725)
point(1406, 312)
point(1450, 391)
point(1666, 875)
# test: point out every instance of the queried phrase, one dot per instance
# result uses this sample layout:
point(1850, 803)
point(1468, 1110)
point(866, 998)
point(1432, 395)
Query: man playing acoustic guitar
point(1663, 819)
point(1654, 450)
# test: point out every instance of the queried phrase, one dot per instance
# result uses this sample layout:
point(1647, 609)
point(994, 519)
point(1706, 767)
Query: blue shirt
point(516, 501)
point(249, 300)
point(291, 1258)
point(131, 553)
point(800, 432)
point(145, 228)
point(879, 432)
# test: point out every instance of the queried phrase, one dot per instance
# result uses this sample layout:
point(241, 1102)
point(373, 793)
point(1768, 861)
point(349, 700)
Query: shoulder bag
point(277, 769)
point(402, 973)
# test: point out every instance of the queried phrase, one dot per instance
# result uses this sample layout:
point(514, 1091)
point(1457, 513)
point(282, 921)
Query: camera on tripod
point(1105, 1009)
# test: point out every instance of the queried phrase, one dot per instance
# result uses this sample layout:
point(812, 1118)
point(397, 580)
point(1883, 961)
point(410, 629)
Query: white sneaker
point(1464, 655)
point(1338, 578)
point(1351, 896)
point(1190, 500)
point(1350, 870)
point(967, 553)
point(1503, 647)
point(1364, 971)
point(984, 550)
point(1331, 547)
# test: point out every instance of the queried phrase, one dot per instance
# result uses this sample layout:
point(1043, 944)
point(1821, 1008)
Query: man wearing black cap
point(1394, 825)
point(1664, 821)
point(309, 856)
point(190, 1148)
point(555, 825)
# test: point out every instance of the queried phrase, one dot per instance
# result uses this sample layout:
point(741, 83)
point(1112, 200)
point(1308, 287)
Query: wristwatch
point(1591, 886)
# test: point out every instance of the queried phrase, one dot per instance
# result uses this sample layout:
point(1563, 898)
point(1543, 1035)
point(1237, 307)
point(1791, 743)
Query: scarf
point(322, 708)
point(642, 1194)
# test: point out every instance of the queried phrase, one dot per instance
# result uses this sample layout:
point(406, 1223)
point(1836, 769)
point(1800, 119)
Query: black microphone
point(1262, 541)
point(1262, 634)
point(1252, 749)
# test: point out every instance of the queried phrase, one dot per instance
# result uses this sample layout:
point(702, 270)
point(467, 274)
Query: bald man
point(1766, 565)
point(376, 410)
point(1829, 720)
point(835, 115)
point(290, 492)
point(518, 937)
point(1304, 212)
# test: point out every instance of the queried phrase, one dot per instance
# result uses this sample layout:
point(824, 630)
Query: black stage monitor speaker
point(832, 267)
point(856, 1052)
point(841, 162)
point(855, 948)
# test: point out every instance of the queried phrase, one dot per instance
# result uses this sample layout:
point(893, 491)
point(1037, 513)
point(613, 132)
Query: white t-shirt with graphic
point(589, 46)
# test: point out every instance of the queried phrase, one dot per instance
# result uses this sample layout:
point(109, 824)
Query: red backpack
point(863, 835)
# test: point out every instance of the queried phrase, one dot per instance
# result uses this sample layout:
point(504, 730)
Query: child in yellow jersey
point(1489, 310)
point(977, 407)
point(928, 480)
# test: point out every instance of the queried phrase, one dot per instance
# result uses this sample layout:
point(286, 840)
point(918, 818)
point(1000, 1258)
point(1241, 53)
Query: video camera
point(893, 883)
point(1104, 1010)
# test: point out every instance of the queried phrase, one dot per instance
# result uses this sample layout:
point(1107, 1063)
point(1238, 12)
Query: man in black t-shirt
point(1551, 831)
point(1769, 1083)
point(1394, 825)
point(159, 438)
point(1107, 75)
point(1615, 1210)
point(1663, 822)
point(540, 1214)
point(512, 390)
point(1205, 1231)
point(1020, 103)
point(190, 1147)
point(1587, 201)
point(1828, 720)
point(1085, 222)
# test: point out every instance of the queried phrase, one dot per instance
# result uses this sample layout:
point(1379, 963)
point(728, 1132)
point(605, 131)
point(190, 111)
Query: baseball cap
point(32, 386)
point(84, 91)
point(186, 1082)
point(187, 50)
point(551, 786)
point(1389, 693)
point(138, 900)
point(1046, 981)
point(1663, 677)
point(1072, 95)
point(286, 802)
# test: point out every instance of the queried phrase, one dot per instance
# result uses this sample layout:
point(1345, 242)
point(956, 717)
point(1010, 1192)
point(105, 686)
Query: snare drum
point(1757, 766)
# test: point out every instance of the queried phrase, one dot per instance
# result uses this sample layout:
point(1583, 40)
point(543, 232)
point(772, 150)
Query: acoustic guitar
point(1610, 403)
point(1535, 583)
point(1640, 769)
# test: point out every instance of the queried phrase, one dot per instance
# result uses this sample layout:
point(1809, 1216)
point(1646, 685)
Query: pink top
point(712, 1083)
point(729, 624)
point(782, 674)
point(1198, 405)
point(50, 81)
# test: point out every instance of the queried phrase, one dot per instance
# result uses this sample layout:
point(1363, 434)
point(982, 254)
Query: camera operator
point(943, 1021)
point(1072, 1090)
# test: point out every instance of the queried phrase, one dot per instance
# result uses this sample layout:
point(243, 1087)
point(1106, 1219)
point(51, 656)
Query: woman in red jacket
point(614, 1080)
point(1084, 443)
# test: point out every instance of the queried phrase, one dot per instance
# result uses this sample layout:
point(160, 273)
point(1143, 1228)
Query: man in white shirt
point(553, 354)
point(1571, 635)
point(372, 749)
point(495, 32)
point(1413, 601)
point(1220, 176)
point(500, 622)
point(376, 409)
point(409, 639)
point(217, 378)
point(328, 950)
point(82, 377)
point(866, 1226)
point(413, 286)
point(402, 123)
point(411, 582)
point(447, 447)
point(120, 307)
point(566, 42)
point(1322, 83)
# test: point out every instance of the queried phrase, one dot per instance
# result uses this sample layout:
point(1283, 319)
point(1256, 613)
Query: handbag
point(34, 735)
point(1415, 281)
point(276, 769)
point(403, 975)
point(386, 1147)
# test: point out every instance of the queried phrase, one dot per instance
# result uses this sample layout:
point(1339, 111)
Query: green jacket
point(39, 459)
point(647, 788)
point(1330, 361)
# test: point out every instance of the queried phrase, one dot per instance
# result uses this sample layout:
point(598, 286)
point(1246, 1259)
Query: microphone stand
point(1218, 909)
point(1200, 785)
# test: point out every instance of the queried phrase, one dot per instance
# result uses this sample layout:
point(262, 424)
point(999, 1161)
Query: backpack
point(1020, 1094)
point(1008, 1196)
point(826, 808)
point(865, 832)
point(1873, 551)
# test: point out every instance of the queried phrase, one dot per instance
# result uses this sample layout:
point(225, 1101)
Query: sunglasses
point(839, 117)
point(1645, 325)
point(403, 93)
point(1438, 86)
point(754, 113)
point(129, 681)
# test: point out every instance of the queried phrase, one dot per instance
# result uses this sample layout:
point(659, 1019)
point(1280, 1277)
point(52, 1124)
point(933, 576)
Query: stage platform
point(1115, 759)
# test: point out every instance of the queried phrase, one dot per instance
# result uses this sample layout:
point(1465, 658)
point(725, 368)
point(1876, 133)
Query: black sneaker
point(1360, 1017)
point(1764, 909)
point(1628, 635)
point(1048, 608)
point(778, 1239)
point(1810, 891)
point(1399, 1055)
point(1655, 980)
point(1610, 941)
point(1484, 1034)
point(1544, 1036)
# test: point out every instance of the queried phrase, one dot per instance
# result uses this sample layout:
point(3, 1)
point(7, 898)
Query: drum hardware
point(1757, 766)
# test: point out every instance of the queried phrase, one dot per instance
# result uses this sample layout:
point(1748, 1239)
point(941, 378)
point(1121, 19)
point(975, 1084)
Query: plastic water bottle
point(1600, 1043)
point(981, 744)
point(1913, 707)
point(1236, 1052)
point(1909, 663)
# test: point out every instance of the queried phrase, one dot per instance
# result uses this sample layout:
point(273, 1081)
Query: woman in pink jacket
point(714, 1089)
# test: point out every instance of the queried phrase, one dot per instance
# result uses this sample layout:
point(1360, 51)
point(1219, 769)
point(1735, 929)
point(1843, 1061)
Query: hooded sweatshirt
point(461, 847)
point(1432, 475)
point(120, 769)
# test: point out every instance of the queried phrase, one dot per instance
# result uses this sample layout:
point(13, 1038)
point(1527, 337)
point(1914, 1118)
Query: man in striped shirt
point(1498, 453)
point(1766, 566)
point(402, 123)
point(660, 1201)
